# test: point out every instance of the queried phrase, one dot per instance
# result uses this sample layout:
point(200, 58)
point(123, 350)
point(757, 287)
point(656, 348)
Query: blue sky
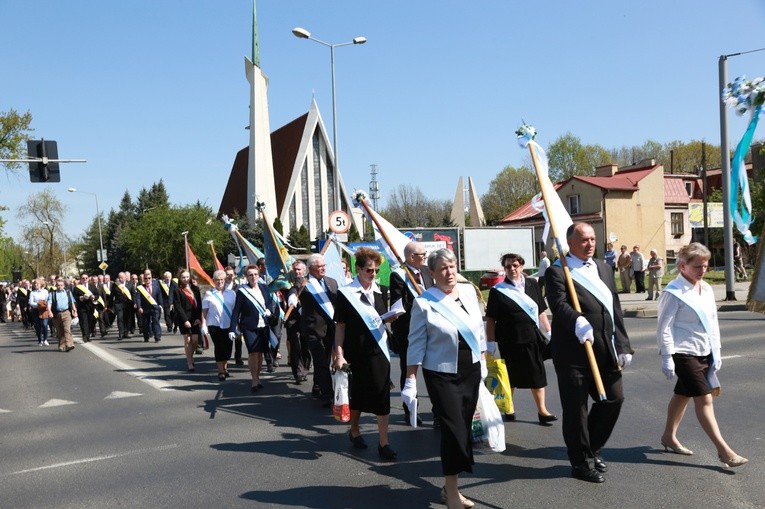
point(149, 89)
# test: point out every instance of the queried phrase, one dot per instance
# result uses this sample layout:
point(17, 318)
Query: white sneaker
point(46, 343)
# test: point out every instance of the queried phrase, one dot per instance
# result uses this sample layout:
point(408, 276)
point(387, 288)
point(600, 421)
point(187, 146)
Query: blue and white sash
point(246, 291)
point(402, 273)
point(218, 295)
point(449, 309)
point(315, 289)
point(692, 300)
point(525, 302)
point(370, 318)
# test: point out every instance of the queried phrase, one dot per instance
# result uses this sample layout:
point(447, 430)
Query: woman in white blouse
point(217, 305)
point(689, 343)
point(39, 293)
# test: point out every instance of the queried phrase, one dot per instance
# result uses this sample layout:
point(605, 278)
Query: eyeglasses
point(513, 266)
point(419, 254)
point(372, 270)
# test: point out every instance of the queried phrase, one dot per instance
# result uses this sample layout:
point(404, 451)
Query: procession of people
point(443, 331)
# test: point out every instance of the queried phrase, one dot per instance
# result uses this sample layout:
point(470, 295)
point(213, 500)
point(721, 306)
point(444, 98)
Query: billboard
point(714, 215)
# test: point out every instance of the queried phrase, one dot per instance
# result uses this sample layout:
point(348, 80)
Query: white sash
point(692, 300)
point(449, 309)
point(247, 292)
point(525, 302)
point(314, 288)
point(402, 273)
point(370, 317)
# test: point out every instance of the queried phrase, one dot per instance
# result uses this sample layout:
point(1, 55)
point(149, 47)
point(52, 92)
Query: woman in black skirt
point(447, 337)
point(188, 314)
point(361, 341)
point(515, 319)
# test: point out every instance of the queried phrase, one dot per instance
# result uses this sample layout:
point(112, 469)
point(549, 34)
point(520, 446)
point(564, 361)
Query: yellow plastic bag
point(498, 383)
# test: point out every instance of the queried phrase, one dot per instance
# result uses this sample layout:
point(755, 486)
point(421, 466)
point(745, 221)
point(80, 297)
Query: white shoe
point(46, 343)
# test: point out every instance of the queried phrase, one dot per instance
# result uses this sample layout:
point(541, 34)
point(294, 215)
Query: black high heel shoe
point(386, 452)
point(546, 420)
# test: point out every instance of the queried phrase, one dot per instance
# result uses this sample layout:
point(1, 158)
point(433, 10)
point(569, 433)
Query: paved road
point(119, 424)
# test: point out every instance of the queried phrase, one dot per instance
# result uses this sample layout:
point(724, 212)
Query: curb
point(653, 313)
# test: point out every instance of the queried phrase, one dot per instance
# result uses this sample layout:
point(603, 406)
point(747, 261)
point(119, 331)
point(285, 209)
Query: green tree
point(567, 157)
point(155, 197)
point(510, 188)
point(299, 238)
point(14, 132)
point(43, 237)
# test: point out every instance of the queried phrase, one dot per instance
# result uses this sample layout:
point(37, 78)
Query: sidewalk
point(634, 304)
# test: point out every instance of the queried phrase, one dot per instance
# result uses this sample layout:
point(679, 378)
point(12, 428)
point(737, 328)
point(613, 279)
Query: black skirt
point(525, 365)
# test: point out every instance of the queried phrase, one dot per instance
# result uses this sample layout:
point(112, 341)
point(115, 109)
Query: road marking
point(96, 458)
point(120, 394)
point(124, 366)
point(56, 402)
point(731, 356)
point(4, 411)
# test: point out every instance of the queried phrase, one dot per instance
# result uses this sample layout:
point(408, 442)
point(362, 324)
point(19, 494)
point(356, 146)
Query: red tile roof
point(675, 192)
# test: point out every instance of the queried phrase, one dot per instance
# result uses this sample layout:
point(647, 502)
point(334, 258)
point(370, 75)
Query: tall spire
point(255, 45)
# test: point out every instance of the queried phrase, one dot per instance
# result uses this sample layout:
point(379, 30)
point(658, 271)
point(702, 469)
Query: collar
point(355, 287)
point(515, 284)
point(575, 262)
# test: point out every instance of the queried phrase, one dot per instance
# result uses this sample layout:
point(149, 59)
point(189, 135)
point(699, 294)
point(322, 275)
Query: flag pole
point(567, 273)
point(186, 247)
point(363, 201)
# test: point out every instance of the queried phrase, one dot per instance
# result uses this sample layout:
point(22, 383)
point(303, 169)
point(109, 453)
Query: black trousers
point(119, 311)
point(222, 345)
point(454, 397)
point(321, 352)
point(300, 355)
point(587, 431)
point(168, 314)
point(639, 281)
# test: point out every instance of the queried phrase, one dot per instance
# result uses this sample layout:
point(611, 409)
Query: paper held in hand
point(397, 309)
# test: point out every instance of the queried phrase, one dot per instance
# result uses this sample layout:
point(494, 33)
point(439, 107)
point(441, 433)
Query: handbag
point(341, 408)
point(498, 383)
point(488, 430)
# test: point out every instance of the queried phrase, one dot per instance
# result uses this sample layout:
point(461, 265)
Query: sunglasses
point(372, 270)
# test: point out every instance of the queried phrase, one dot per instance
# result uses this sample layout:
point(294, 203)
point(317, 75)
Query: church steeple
point(255, 44)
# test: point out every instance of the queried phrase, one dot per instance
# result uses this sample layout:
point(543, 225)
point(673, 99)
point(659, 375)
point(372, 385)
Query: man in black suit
point(317, 326)
point(402, 288)
point(85, 301)
point(148, 299)
point(300, 355)
point(599, 322)
point(168, 292)
point(122, 302)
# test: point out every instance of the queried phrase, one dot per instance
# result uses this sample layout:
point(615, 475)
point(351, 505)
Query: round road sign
point(339, 221)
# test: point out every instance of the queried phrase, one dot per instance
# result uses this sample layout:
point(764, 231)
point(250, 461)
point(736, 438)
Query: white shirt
point(544, 264)
point(679, 328)
point(216, 316)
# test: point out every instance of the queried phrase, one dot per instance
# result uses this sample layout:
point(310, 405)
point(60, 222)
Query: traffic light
point(46, 169)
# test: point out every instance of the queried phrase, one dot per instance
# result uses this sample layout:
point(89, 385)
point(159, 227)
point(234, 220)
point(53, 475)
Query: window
point(573, 204)
point(689, 189)
point(677, 223)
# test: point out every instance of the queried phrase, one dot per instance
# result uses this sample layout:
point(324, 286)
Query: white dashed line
point(96, 458)
point(56, 402)
point(124, 366)
point(121, 394)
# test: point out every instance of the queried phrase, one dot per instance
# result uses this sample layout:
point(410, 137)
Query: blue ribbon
point(742, 214)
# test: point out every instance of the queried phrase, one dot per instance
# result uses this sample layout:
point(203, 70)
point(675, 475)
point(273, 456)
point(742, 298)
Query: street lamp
point(302, 33)
point(730, 277)
point(101, 256)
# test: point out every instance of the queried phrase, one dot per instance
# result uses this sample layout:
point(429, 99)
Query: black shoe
point(600, 465)
point(254, 388)
point(221, 377)
point(385, 452)
point(157, 340)
point(327, 401)
point(69, 348)
point(583, 472)
point(119, 338)
point(146, 340)
point(126, 336)
point(239, 362)
point(227, 374)
point(270, 368)
point(436, 421)
point(316, 392)
point(357, 441)
point(546, 420)
point(508, 417)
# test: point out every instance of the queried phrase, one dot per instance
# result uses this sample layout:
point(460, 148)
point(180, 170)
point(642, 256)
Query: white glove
point(625, 359)
point(668, 366)
point(583, 330)
point(203, 329)
point(232, 336)
point(292, 300)
point(548, 334)
point(268, 313)
point(491, 347)
point(484, 370)
point(409, 392)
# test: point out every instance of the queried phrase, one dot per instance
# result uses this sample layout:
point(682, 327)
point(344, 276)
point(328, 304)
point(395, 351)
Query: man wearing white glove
point(300, 355)
point(596, 325)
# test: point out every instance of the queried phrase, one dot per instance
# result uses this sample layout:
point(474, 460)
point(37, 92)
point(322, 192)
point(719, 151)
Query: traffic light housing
point(44, 170)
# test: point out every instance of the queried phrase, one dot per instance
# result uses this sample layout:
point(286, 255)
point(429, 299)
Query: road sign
point(103, 266)
point(339, 221)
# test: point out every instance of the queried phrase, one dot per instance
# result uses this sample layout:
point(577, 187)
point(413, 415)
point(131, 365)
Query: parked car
point(491, 278)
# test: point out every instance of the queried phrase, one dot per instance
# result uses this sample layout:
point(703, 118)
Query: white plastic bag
point(341, 408)
point(488, 429)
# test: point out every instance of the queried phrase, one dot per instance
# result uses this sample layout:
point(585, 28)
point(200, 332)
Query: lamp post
point(730, 275)
point(302, 33)
point(186, 247)
point(101, 254)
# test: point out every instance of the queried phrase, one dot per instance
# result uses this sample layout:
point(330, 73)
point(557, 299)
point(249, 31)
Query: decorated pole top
point(744, 95)
point(525, 133)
